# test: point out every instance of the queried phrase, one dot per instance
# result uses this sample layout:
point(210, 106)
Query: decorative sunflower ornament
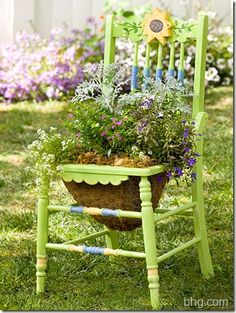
point(157, 25)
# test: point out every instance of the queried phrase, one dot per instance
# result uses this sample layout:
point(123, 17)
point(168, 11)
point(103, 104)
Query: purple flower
point(184, 121)
point(197, 154)
point(103, 133)
point(186, 149)
point(178, 171)
point(70, 115)
point(147, 103)
point(186, 132)
point(118, 136)
point(91, 20)
point(142, 126)
point(169, 174)
point(159, 178)
point(191, 161)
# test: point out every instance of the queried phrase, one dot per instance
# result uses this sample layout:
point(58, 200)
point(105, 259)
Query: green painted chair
point(92, 175)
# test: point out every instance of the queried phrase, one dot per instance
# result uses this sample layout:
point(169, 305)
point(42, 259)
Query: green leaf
point(128, 13)
point(109, 153)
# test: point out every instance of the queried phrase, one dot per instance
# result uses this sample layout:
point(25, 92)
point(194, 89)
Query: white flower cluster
point(49, 152)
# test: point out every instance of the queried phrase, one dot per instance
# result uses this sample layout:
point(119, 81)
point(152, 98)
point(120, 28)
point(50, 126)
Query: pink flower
point(118, 123)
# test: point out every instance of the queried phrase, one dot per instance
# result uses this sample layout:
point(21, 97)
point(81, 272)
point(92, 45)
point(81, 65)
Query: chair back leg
point(200, 224)
point(112, 238)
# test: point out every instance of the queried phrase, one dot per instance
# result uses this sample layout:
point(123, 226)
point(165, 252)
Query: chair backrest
point(157, 24)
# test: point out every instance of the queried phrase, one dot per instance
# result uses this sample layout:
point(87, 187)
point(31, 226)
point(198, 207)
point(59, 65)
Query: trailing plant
point(49, 151)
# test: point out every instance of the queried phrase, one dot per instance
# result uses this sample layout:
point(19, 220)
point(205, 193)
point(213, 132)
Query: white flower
point(230, 49)
point(191, 50)
point(212, 37)
point(188, 59)
point(217, 78)
point(51, 129)
point(211, 74)
point(230, 63)
point(177, 63)
point(59, 168)
point(226, 81)
point(220, 63)
point(211, 15)
point(228, 30)
point(209, 57)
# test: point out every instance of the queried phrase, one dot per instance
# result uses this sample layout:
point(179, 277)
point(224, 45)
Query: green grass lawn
point(86, 282)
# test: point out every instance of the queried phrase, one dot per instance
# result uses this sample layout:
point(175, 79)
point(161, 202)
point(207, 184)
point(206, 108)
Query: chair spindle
point(181, 65)
point(147, 65)
point(134, 75)
point(171, 68)
point(159, 63)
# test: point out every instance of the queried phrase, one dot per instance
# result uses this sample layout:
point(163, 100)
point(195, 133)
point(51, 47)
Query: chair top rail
point(132, 29)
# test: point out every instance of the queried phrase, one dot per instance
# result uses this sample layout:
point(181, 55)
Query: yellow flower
point(157, 25)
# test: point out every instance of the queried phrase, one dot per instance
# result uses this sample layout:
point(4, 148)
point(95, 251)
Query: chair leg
point(200, 226)
point(112, 242)
point(42, 235)
point(112, 239)
point(149, 241)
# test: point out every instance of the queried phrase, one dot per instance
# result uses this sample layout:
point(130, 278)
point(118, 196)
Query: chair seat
point(113, 170)
point(105, 174)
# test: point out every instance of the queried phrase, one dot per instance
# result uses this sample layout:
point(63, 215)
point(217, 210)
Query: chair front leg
point(149, 240)
point(42, 234)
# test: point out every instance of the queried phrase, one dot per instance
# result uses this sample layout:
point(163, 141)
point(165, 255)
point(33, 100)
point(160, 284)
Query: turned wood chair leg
point(149, 241)
point(42, 235)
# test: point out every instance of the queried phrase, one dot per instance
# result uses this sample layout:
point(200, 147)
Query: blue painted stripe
point(181, 76)
point(171, 72)
point(108, 212)
point(134, 77)
point(76, 209)
point(146, 73)
point(158, 74)
point(93, 250)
